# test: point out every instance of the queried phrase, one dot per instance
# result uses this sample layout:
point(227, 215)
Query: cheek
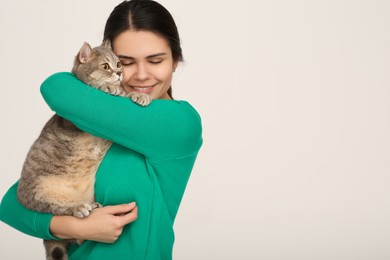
point(168, 80)
point(164, 74)
point(126, 72)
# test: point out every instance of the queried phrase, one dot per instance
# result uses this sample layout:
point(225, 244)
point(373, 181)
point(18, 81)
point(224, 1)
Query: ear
point(106, 44)
point(85, 52)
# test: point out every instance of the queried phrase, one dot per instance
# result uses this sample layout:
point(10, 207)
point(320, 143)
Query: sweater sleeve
point(27, 221)
point(164, 129)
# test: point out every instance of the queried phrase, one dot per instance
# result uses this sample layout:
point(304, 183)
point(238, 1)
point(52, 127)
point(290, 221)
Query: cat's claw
point(96, 205)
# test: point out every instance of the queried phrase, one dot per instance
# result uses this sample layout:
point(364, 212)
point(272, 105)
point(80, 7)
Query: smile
point(143, 88)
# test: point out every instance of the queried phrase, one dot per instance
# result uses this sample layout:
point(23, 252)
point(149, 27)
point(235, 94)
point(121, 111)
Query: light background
point(294, 97)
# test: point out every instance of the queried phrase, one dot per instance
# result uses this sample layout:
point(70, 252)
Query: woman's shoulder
point(181, 112)
point(179, 106)
point(189, 107)
point(184, 124)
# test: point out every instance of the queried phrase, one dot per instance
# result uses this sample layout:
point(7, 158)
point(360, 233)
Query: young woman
point(143, 176)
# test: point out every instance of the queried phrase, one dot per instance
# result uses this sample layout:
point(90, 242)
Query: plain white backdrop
point(294, 97)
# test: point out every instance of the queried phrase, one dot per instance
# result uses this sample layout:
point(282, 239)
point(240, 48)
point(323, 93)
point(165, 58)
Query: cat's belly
point(66, 191)
point(75, 184)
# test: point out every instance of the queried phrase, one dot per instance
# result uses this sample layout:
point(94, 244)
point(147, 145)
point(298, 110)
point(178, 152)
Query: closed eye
point(126, 62)
point(155, 61)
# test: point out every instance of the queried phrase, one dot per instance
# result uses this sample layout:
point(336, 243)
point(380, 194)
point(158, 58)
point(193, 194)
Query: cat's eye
point(119, 65)
point(105, 66)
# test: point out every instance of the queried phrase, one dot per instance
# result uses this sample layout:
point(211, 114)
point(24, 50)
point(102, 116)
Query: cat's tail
point(56, 249)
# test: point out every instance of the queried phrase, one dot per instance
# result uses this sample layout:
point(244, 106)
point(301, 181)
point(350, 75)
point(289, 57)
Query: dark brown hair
point(144, 15)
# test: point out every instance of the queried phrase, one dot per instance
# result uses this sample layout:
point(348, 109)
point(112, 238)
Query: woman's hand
point(103, 224)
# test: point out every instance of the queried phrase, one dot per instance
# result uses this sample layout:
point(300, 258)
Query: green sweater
point(153, 153)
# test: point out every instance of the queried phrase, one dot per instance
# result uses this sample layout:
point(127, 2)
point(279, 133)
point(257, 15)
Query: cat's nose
point(120, 75)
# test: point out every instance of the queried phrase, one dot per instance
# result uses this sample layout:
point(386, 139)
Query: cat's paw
point(141, 99)
point(83, 210)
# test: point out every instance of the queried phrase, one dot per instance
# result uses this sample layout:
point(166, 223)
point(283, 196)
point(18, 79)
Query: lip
point(143, 89)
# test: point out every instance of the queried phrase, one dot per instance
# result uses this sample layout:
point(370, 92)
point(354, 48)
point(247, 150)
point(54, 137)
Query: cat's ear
point(85, 52)
point(106, 44)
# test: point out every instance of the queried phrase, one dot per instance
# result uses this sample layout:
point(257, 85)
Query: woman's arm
point(102, 225)
point(25, 220)
point(164, 129)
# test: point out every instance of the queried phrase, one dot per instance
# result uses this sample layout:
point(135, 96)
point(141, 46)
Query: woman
point(153, 152)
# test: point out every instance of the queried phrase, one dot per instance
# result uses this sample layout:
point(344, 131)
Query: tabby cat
point(58, 174)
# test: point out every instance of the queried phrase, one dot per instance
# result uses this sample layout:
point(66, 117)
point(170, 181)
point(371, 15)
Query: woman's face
point(147, 62)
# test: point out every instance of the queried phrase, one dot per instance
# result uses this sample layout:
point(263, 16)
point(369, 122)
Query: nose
point(141, 73)
point(119, 73)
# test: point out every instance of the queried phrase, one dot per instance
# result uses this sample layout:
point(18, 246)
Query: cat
point(58, 174)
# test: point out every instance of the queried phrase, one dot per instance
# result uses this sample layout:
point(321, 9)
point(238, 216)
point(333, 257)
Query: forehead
point(139, 44)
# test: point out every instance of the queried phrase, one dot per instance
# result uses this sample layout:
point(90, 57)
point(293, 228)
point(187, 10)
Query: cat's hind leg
point(85, 209)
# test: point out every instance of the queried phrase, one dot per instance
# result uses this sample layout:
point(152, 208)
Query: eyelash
point(127, 64)
point(151, 62)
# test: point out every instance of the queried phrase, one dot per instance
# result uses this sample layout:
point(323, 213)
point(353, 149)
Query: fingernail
point(132, 204)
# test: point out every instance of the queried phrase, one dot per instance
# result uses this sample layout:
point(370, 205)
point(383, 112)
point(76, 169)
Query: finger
point(120, 209)
point(129, 217)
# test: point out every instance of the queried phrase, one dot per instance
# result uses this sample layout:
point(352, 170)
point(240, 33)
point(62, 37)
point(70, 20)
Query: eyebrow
point(148, 57)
